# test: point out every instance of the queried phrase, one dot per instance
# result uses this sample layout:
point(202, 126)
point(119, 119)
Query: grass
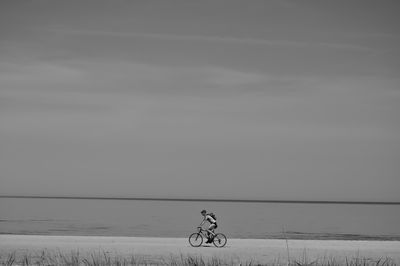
point(46, 258)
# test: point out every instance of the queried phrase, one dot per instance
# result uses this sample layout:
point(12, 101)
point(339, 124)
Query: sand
point(256, 250)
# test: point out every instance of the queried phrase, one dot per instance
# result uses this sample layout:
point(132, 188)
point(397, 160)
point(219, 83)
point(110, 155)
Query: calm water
point(178, 219)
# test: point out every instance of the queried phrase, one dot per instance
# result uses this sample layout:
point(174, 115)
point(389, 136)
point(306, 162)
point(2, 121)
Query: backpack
point(213, 215)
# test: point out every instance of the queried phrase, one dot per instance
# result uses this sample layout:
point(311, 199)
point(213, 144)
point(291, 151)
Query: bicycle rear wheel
point(219, 240)
point(195, 240)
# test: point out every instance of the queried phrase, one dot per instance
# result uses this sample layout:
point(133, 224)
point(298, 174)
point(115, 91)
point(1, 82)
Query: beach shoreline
point(154, 248)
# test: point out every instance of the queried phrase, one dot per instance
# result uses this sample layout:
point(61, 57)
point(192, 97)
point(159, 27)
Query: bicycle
point(196, 239)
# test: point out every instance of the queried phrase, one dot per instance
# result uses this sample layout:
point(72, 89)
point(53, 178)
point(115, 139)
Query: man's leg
point(211, 233)
point(210, 229)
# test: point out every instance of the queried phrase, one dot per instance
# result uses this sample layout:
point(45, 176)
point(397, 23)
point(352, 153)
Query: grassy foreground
point(46, 258)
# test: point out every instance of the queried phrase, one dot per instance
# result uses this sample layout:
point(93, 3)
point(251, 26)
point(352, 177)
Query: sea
point(169, 218)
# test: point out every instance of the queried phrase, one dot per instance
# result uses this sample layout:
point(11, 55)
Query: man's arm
point(204, 220)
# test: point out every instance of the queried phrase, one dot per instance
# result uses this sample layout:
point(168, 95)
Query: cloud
point(210, 38)
point(37, 72)
point(127, 77)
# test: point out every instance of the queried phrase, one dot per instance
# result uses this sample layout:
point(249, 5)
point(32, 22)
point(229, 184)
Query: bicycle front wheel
point(219, 240)
point(195, 240)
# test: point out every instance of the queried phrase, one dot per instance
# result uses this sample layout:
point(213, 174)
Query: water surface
point(157, 218)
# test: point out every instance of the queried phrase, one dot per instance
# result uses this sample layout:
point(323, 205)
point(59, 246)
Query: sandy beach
point(258, 250)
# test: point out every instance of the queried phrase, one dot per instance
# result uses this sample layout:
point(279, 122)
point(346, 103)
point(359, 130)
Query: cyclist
point(211, 227)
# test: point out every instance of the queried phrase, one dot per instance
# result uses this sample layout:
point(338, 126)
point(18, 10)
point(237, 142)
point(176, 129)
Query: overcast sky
point(223, 99)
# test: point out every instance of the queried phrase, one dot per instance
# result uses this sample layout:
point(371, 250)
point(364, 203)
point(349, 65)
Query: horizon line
point(208, 200)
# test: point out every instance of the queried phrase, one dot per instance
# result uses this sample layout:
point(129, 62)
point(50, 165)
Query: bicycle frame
point(204, 232)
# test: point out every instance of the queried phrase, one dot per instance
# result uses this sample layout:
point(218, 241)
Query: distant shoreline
point(208, 200)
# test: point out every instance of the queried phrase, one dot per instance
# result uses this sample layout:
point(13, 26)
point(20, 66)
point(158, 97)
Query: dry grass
point(46, 258)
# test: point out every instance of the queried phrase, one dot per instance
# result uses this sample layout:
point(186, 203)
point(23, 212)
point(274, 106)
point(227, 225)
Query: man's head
point(203, 212)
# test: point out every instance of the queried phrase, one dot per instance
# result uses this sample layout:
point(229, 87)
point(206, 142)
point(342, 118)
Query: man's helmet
point(203, 211)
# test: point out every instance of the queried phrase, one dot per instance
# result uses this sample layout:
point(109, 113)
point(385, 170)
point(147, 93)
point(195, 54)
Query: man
point(213, 224)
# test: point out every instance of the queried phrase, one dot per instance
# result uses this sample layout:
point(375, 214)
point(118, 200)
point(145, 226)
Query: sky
point(279, 99)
